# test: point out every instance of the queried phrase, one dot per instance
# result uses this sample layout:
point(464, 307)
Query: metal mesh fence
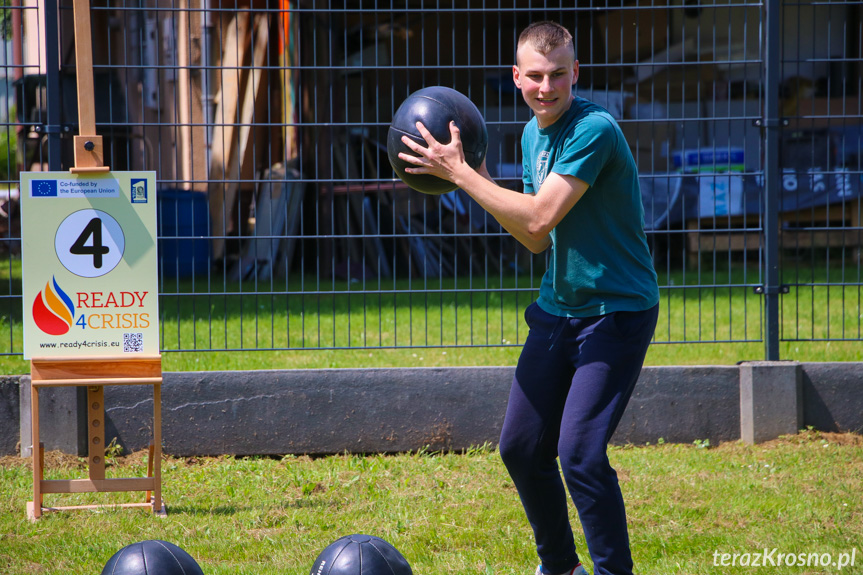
point(282, 225)
point(820, 161)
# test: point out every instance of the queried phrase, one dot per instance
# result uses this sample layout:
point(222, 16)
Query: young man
point(597, 306)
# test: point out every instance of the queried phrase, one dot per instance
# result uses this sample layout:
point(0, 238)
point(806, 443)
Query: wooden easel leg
point(34, 508)
point(158, 507)
point(41, 473)
point(149, 497)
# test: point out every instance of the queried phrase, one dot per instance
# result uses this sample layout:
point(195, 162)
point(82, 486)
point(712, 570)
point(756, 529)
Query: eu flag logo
point(43, 189)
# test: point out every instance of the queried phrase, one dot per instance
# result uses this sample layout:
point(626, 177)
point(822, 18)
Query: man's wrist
point(465, 176)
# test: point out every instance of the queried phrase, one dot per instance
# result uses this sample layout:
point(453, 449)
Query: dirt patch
point(814, 436)
point(53, 459)
point(136, 458)
point(60, 460)
point(806, 436)
point(854, 439)
point(13, 461)
point(439, 437)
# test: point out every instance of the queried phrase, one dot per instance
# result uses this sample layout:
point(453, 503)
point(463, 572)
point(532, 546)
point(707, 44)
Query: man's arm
point(528, 217)
point(536, 246)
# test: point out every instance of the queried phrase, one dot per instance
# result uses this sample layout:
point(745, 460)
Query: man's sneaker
point(577, 570)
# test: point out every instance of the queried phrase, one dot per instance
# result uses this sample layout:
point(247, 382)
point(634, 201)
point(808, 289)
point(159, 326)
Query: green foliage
point(8, 149)
point(5, 20)
point(113, 450)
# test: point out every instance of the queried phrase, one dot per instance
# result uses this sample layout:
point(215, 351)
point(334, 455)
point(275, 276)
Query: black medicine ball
point(360, 555)
point(435, 107)
point(151, 557)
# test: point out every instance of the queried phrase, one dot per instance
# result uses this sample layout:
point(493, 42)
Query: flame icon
point(53, 310)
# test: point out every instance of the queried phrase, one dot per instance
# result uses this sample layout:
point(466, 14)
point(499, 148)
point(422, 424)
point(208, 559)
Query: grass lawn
point(709, 315)
point(458, 513)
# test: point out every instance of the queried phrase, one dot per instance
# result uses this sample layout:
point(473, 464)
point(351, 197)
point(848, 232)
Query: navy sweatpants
point(573, 381)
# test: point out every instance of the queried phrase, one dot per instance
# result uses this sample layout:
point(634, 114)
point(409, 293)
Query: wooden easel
point(94, 373)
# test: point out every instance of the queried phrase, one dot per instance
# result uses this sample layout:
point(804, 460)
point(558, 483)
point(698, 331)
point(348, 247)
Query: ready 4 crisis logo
point(54, 311)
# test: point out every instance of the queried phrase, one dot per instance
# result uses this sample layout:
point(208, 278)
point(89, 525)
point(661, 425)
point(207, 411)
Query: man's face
point(546, 81)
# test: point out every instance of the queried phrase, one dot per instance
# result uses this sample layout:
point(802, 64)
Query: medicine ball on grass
point(152, 557)
point(435, 107)
point(360, 555)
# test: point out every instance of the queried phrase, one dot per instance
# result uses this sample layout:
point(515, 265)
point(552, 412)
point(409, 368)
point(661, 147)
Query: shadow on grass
point(232, 510)
point(194, 511)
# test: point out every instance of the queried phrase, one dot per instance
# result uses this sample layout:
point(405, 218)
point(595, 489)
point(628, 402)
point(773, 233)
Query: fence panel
point(822, 175)
point(282, 225)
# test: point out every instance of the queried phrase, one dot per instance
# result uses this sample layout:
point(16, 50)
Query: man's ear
point(516, 77)
point(575, 73)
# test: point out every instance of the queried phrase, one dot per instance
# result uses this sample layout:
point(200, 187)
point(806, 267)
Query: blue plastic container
point(183, 222)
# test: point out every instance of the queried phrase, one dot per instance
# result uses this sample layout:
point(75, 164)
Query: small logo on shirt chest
point(541, 168)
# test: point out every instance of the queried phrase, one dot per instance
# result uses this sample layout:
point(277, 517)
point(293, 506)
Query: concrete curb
point(316, 411)
point(10, 414)
point(682, 404)
point(406, 409)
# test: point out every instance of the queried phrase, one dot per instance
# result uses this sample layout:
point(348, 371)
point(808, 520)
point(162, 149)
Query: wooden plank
point(234, 47)
point(96, 431)
point(250, 91)
point(94, 507)
point(710, 240)
point(820, 238)
point(709, 234)
point(87, 169)
point(192, 131)
point(89, 155)
point(847, 213)
point(184, 90)
point(84, 68)
point(287, 62)
point(98, 485)
point(97, 381)
point(221, 195)
point(90, 368)
point(242, 165)
point(88, 148)
point(89, 358)
point(150, 448)
point(724, 241)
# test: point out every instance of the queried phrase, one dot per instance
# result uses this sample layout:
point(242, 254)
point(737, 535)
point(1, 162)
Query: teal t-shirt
point(600, 262)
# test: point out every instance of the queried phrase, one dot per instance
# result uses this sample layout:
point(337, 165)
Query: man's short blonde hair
point(545, 37)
